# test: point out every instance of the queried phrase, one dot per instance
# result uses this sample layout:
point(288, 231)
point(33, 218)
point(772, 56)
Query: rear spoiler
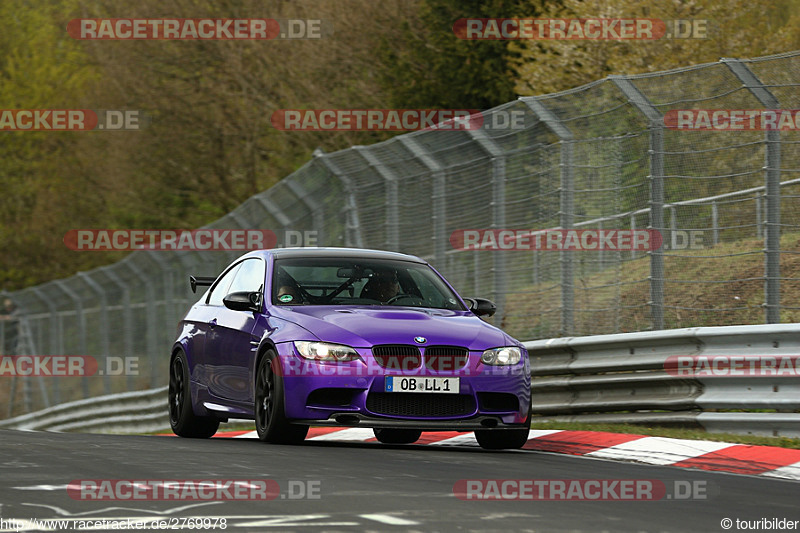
point(202, 281)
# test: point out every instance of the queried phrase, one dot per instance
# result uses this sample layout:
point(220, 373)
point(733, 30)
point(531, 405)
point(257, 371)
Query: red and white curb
point(769, 461)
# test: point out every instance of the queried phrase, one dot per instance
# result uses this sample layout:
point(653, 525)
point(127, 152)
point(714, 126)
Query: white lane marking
point(388, 519)
point(42, 487)
point(294, 521)
point(351, 434)
point(659, 450)
point(785, 472)
point(536, 433)
point(467, 439)
point(63, 512)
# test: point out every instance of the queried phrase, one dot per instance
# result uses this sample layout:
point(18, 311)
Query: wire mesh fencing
point(602, 159)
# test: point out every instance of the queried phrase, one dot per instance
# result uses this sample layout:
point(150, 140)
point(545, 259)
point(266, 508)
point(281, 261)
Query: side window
point(250, 277)
point(220, 290)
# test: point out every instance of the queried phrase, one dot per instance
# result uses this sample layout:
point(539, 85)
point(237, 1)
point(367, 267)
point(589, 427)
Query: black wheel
point(181, 416)
point(504, 439)
point(271, 423)
point(397, 436)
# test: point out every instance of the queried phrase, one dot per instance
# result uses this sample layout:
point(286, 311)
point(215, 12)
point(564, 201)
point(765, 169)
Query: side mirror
point(481, 306)
point(243, 301)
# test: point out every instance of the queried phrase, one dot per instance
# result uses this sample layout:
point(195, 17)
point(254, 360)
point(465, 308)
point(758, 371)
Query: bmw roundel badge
point(420, 340)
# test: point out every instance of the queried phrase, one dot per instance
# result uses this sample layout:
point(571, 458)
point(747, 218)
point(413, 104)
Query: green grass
point(533, 311)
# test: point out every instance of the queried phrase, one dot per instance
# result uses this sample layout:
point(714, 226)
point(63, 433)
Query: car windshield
point(332, 281)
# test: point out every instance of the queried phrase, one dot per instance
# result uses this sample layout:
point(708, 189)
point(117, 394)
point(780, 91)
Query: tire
point(504, 439)
point(397, 436)
point(182, 419)
point(271, 422)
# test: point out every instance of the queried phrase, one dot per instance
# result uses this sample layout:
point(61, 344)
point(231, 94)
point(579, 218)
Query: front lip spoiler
point(350, 419)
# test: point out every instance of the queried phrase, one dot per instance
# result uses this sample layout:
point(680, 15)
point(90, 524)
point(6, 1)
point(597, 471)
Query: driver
point(382, 286)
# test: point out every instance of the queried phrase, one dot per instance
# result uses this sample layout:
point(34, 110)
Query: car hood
point(362, 327)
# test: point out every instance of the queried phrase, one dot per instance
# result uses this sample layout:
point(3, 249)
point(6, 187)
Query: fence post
point(276, 212)
point(772, 176)
point(150, 321)
point(715, 222)
point(352, 233)
point(127, 318)
point(757, 199)
point(105, 344)
point(53, 344)
point(566, 210)
point(317, 213)
point(673, 228)
point(81, 316)
point(656, 177)
point(392, 197)
point(499, 258)
point(440, 238)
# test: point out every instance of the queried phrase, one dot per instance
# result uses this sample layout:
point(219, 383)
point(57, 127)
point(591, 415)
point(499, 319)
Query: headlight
point(508, 355)
point(323, 351)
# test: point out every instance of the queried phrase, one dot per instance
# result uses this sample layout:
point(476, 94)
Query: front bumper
point(349, 419)
point(359, 385)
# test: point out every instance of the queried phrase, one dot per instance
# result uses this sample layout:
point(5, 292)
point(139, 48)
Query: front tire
point(397, 436)
point(504, 439)
point(182, 419)
point(271, 422)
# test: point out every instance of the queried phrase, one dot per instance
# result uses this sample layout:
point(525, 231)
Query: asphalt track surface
point(363, 486)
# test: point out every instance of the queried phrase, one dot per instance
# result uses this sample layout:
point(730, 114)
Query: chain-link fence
point(599, 156)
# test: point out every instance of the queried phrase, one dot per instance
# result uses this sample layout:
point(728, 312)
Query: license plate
point(421, 384)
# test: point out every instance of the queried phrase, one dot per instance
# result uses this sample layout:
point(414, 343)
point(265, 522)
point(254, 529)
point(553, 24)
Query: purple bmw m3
point(300, 337)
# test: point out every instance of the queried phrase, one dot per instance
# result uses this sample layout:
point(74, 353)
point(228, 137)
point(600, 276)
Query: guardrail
point(622, 378)
point(128, 412)
point(617, 378)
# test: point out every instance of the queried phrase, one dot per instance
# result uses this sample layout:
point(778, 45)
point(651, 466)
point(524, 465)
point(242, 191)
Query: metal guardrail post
point(352, 235)
point(499, 261)
point(440, 237)
point(656, 127)
point(392, 197)
point(566, 210)
point(81, 316)
point(772, 176)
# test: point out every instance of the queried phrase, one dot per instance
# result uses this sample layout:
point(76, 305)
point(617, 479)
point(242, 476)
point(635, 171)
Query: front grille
point(397, 356)
point(420, 404)
point(446, 358)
